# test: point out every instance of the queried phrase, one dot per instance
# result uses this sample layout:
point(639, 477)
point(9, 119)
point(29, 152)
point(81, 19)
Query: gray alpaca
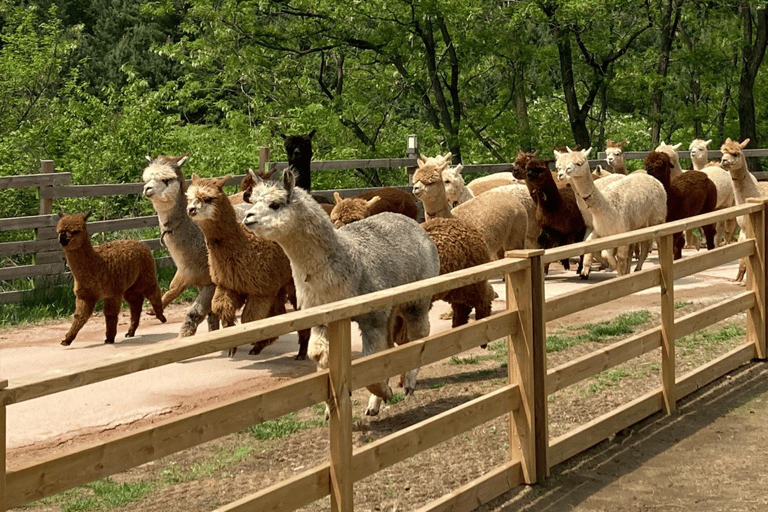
point(165, 186)
point(328, 265)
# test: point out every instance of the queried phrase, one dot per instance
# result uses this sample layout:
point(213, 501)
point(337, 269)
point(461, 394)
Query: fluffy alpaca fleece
point(461, 246)
point(633, 202)
point(745, 185)
point(298, 149)
point(330, 264)
point(497, 213)
point(457, 193)
point(688, 194)
point(122, 269)
point(165, 186)
point(247, 270)
point(371, 202)
point(674, 158)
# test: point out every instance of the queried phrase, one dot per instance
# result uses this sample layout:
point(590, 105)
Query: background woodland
point(97, 85)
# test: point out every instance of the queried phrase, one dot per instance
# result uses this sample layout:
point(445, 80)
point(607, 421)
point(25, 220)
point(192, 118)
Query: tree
point(753, 45)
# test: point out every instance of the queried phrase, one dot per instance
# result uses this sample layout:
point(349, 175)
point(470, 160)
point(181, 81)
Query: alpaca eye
point(274, 206)
point(207, 200)
point(75, 232)
point(166, 182)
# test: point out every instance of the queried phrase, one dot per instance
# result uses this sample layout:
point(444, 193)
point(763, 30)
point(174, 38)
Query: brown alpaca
point(371, 202)
point(247, 270)
point(122, 269)
point(688, 194)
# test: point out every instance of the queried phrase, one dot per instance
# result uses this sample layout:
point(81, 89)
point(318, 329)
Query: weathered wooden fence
point(524, 398)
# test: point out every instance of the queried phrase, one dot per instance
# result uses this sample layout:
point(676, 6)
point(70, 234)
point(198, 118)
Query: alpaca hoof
point(161, 317)
point(484, 345)
point(112, 341)
point(66, 343)
point(584, 277)
point(255, 350)
point(300, 357)
point(231, 352)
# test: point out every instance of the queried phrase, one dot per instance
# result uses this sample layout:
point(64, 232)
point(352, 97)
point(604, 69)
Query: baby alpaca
point(122, 269)
point(371, 202)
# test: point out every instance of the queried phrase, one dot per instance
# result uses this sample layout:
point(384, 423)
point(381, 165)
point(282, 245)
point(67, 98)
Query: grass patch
point(711, 339)
point(464, 360)
point(282, 427)
point(103, 494)
point(598, 332)
point(608, 378)
point(206, 468)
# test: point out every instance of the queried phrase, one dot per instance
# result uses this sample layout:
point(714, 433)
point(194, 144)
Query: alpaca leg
point(678, 241)
point(176, 288)
point(460, 314)
point(303, 334)
point(709, 235)
point(729, 233)
point(742, 270)
point(83, 311)
point(416, 316)
point(622, 260)
point(135, 300)
point(374, 332)
point(111, 312)
point(257, 308)
point(645, 248)
point(587, 266)
point(224, 305)
point(154, 296)
point(198, 311)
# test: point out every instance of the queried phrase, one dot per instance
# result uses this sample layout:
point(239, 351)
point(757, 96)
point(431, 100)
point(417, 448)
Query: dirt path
point(663, 464)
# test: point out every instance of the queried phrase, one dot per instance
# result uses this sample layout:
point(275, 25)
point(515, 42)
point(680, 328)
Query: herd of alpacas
point(274, 242)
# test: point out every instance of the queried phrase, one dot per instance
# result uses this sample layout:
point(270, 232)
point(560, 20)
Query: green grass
point(207, 467)
point(103, 494)
point(282, 427)
point(709, 340)
point(598, 332)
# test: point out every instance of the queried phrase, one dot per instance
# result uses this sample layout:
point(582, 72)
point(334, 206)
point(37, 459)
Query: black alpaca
point(299, 151)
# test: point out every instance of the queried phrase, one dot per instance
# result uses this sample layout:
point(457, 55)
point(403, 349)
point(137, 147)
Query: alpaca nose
point(250, 220)
point(192, 210)
point(149, 192)
point(63, 239)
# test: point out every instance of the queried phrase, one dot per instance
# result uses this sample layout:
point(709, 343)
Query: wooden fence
point(524, 398)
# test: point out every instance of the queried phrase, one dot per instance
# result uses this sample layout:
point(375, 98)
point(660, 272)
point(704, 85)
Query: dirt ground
point(709, 456)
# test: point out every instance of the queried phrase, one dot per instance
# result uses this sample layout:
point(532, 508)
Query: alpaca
point(298, 149)
point(122, 269)
point(601, 181)
point(497, 213)
point(556, 210)
point(329, 264)
point(688, 194)
point(461, 246)
point(457, 194)
point(486, 183)
point(726, 229)
point(614, 155)
point(371, 202)
point(633, 202)
point(165, 187)
point(745, 185)
point(247, 270)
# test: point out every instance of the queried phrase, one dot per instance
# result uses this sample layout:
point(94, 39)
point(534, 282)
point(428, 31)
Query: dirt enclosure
point(709, 456)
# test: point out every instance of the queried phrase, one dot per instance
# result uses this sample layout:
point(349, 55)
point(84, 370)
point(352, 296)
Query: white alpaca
point(328, 264)
point(722, 180)
point(634, 202)
point(614, 155)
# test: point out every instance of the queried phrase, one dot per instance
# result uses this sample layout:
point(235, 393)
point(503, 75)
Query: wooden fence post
point(755, 279)
point(3, 433)
point(340, 369)
point(263, 159)
point(47, 233)
point(529, 432)
point(666, 259)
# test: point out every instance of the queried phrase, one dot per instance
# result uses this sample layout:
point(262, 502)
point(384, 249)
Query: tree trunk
point(669, 21)
point(752, 53)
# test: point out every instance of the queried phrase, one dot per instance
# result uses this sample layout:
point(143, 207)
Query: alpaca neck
point(699, 162)
point(171, 215)
point(83, 259)
point(585, 188)
point(552, 193)
point(465, 195)
point(223, 231)
point(437, 206)
point(744, 186)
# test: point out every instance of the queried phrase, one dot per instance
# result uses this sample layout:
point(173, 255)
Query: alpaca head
point(733, 158)
point(164, 179)
point(453, 182)
point(428, 178)
point(271, 216)
point(298, 149)
point(658, 165)
point(351, 210)
point(537, 172)
point(574, 164)
point(522, 159)
point(72, 231)
point(614, 153)
point(204, 196)
point(671, 152)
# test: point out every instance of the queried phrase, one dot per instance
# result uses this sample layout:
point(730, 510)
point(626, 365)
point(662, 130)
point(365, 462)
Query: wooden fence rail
point(523, 398)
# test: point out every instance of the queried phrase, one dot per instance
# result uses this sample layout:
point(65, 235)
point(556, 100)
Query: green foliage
point(282, 427)
point(598, 332)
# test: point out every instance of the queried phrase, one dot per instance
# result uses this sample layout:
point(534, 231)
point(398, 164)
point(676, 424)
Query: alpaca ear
point(195, 177)
point(609, 143)
point(558, 154)
point(289, 180)
point(586, 152)
point(535, 153)
point(676, 146)
point(312, 133)
point(182, 160)
point(707, 142)
point(87, 215)
point(62, 214)
point(223, 180)
point(621, 144)
point(743, 144)
point(459, 168)
point(149, 159)
point(337, 197)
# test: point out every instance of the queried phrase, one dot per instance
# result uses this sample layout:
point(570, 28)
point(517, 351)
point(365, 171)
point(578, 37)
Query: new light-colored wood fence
point(523, 398)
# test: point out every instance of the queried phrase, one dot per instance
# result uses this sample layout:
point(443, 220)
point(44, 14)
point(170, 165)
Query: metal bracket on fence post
point(669, 399)
point(263, 159)
point(529, 432)
point(340, 373)
point(3, 433)
point(412, 151)
point(756, 279)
